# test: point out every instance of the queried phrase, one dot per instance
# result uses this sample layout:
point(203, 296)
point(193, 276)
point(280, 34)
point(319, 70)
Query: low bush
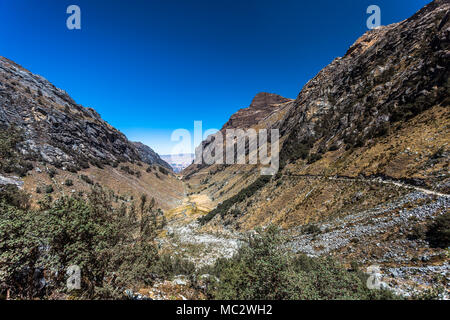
point(12, 195)
point(49, 189)
point(263, 269)
point(114, 247)
point(86, 179)
point(127, 169)
point(245, 193)
point(52, 172)
point(163, 171)
point(438, 234)
point(11, 160)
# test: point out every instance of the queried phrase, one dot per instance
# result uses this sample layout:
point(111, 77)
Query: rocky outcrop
point(364, 160)
point(262, 108)
point(263, 104)
point(11, 181)
point(56, 129)
point(149, 156)
point(391, 74)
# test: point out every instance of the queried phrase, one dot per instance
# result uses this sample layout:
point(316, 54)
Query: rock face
point(262, 108)
point(262, 105)
point(390, 75)
point(57, 130)
point(149, 156)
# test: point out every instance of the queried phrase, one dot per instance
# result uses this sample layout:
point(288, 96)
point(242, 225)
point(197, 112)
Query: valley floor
point(375, 237)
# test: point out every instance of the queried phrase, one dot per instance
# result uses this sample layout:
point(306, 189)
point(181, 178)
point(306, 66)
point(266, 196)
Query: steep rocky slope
point(381, 110)
point(262, 105)
point(389, 76)
point(56, 129)
point(264, 108)
point(364, 158)
point(149, 156)
point(58, 146)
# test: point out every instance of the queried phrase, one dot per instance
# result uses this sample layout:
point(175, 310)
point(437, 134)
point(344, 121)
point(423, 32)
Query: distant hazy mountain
point(178, 162)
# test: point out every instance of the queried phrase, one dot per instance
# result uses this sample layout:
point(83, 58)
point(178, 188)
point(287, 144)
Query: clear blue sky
point(149, 67)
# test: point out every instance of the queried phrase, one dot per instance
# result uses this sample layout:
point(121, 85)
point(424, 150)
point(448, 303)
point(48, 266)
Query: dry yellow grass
point(167, 190)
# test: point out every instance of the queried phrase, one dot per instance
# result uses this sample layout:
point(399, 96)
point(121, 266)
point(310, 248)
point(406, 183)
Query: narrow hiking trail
point(203, 245)
point(373, 180)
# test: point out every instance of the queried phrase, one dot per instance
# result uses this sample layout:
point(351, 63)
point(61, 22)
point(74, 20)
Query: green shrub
point(245, 193)
point(314, 157)
point(52, 172)
point(86, 179)
point(114, 247)
point(49, 189)
point(418, 232)
point(438, 234)
point(311, 229)
point(163, 171)
point(169, 266)
point(333, 147)
point(98, 163)
point(12, 195)
point(295, 148)
point(73, 168)
point(127, 169)
point(68, 183)
point(264, 270)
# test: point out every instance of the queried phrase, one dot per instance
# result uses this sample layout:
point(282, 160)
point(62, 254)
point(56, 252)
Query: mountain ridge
point(59, 147)
point(52, 122)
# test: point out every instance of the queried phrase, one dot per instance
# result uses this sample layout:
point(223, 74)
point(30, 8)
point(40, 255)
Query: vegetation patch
point(245, 193)
point(114, 247)
point(11, 161)
point(263, 269)
point(86, 179)
point(438, 234)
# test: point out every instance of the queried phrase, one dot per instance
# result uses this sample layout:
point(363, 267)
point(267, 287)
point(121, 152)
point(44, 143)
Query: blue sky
point(150, 67)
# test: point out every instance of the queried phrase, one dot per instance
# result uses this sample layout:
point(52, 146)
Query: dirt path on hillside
point(374, 180)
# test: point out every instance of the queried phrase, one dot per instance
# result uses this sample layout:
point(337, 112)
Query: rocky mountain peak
point(263, 104)
point(263, 100)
